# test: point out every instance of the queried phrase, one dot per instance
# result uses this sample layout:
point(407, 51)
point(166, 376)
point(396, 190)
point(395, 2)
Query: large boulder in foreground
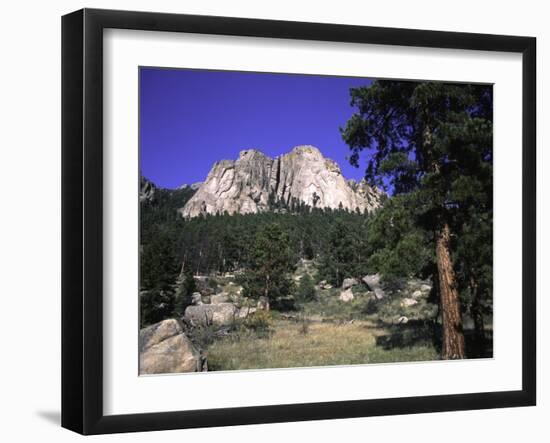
point(221, 314)
point(164, 348)
point(373, 282)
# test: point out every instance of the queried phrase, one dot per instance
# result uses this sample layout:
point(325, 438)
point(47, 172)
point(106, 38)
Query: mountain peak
point(306, 149)
point(249, 153)
point(254, 181)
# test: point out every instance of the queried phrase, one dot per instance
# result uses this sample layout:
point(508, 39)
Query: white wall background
point(30, 219)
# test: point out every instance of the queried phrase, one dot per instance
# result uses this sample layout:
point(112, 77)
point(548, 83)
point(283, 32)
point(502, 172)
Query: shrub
point(306, 290)
point(259, 321)
point(371, 307)
point(304, 325)
point(203, 336)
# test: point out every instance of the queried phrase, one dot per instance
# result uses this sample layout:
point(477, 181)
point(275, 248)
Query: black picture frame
point(82, 218)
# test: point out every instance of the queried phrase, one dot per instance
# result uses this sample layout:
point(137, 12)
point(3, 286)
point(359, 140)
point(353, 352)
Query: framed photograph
point(268, 221)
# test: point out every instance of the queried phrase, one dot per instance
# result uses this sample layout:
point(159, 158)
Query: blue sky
point(190, 119)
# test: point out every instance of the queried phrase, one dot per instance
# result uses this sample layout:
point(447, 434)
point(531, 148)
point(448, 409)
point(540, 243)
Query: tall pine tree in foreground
point(433, 139)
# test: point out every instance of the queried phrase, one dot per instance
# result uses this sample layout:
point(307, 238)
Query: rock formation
point(374, 284)
point(147, 190)
point(346, 295)
point(164, 348)
point(221, 314)
point(254, 182)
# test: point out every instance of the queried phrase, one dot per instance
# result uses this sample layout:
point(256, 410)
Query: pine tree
point(185, 292)
point(306, 289)
point(271, 264)
point(434, 139)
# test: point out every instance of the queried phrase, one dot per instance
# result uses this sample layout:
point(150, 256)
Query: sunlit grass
point(323, 344)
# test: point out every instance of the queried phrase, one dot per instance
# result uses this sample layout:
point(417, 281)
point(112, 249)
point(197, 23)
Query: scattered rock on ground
point(164, 348)
point(425, 288)
point(324, 285)
point(406, 302)
point(373, 282)
point(349, 282)
point(417, 294)
point(346, 295)
point(402, 320)
point(221, 314)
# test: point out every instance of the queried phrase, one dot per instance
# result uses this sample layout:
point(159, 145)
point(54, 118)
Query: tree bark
point(453, 336)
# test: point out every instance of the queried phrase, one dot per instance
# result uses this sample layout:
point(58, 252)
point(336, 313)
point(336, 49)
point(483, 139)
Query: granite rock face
point(255, 181)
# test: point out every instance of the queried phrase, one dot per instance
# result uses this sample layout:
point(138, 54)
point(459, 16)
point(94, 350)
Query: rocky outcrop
point(192, 186)
point(164, 348)
point(147, 190)
point(221, 314)
point(222, 297)
point(255, 182)
point(196, 298)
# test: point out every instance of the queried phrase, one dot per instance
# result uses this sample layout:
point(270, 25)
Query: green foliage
point(185, 293)
point(432, 137)
point(270, 266)
point(432, 143)
point(305, 290)
point(155, 306)
point(259, 321)
point(212, 244)
point(159, 270)
point(159, 265)
point(397, 246)
point(344, 254)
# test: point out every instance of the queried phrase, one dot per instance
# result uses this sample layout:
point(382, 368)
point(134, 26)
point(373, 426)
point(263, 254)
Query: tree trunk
point(453, 337)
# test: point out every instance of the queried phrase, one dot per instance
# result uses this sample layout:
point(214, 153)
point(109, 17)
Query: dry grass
point(322, 344)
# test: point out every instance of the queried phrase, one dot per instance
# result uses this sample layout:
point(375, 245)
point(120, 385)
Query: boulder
point(196, 298)
point(324, 285)
point(406, 302)
point(245, 312)
point(425, 288)
point(346, 295)
point(402, 320)
point(417, 294)
point(373, 282)
point(222, 297)
point(263, 303)
point(164, 348)
point(349, 282)
point(221, 314)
